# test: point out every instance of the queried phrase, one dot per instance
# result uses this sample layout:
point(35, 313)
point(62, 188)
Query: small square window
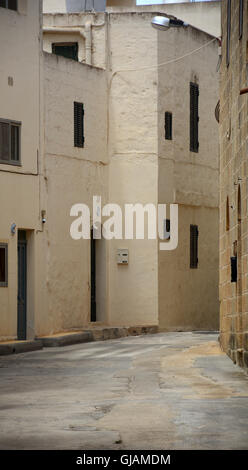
point(3, 265)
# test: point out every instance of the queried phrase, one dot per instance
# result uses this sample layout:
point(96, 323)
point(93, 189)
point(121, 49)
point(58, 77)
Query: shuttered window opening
point(10, 4)
point(168, 125)
point(241, 9)
point(228, 32)
point(10, 135)
point(194, 233)
point(66, 49)
point(194, 117)
point(78, 124)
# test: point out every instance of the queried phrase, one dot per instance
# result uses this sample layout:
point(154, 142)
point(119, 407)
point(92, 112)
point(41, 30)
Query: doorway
point(93, 278)
point(22, 286)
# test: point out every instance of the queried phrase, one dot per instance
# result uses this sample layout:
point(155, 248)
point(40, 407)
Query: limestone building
point(145, 164)
point(107, 111)
point(20, 160)
point(233, 182)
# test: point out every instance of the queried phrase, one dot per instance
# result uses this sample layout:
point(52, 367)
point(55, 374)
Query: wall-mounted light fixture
point(13, 229)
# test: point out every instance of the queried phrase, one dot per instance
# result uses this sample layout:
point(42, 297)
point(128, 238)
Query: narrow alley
point(164, 391)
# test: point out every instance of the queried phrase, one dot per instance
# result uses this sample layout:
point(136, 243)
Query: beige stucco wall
point(19, 185)
point(72, 175)
point(188, 298)
point(133, 163)
point(144, 168)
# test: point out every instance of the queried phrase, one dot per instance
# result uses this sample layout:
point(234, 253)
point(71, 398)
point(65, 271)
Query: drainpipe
point(88, 42)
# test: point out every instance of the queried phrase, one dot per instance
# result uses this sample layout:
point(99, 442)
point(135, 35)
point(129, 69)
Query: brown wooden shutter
point(168, 125)
point(194, 246)
point(194, 117)
point(78, 124)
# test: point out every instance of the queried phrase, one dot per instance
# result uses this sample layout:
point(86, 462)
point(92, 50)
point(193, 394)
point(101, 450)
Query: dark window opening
point(68, 50)
point(194, 117)
point(78, 124)
point(194, 233)
point(168, 125)
point(234, 270)
point(10, 4)
point(3, 265)
point(167, 229)
point(228, 32)
point(241, 10)
point(9, 142)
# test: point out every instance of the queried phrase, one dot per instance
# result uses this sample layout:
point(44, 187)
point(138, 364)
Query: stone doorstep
point(66, 339)
point(95, 334)
point(16, 347)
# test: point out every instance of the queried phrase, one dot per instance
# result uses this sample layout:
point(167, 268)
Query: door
point(22, 286)
point(93, 278)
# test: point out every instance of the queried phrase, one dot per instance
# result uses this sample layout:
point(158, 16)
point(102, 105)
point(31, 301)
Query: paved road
point(165, 391)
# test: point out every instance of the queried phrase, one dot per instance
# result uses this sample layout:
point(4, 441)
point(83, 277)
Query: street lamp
point(163, 23)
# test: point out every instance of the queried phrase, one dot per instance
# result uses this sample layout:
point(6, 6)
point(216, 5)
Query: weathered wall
point(72, 175)
point(188, 298)
point(133, 162)
point(202, 15)
point(233, 179)
point(97, 31)
point(19, 185)
point(144, 168)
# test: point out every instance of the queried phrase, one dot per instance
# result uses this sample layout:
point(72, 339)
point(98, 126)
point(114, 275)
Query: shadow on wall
point(73, 6)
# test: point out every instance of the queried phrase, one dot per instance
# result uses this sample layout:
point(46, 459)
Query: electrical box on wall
point(122, 256)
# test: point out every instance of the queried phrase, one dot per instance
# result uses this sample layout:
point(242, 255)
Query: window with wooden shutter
point(228, 32)
point(194, 117)
point(10, 142)
point(168, 125)
point(194, 246)
point(78, 124)
point(241, 9)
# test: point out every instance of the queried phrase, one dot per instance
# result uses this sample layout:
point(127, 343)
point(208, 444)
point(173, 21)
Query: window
point(194, 117)
point(10, 4)
point(78, 124)
point(168, 125)
point(10, 142)
point(66, 49)
point(228, 32)
point(194, 246)
point(241, 9)
point(3, 265)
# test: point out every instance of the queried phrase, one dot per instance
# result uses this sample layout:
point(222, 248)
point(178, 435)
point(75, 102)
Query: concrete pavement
point(164, 391)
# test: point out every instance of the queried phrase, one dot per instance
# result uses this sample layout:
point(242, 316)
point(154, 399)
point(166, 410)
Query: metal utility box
point(122, 256)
